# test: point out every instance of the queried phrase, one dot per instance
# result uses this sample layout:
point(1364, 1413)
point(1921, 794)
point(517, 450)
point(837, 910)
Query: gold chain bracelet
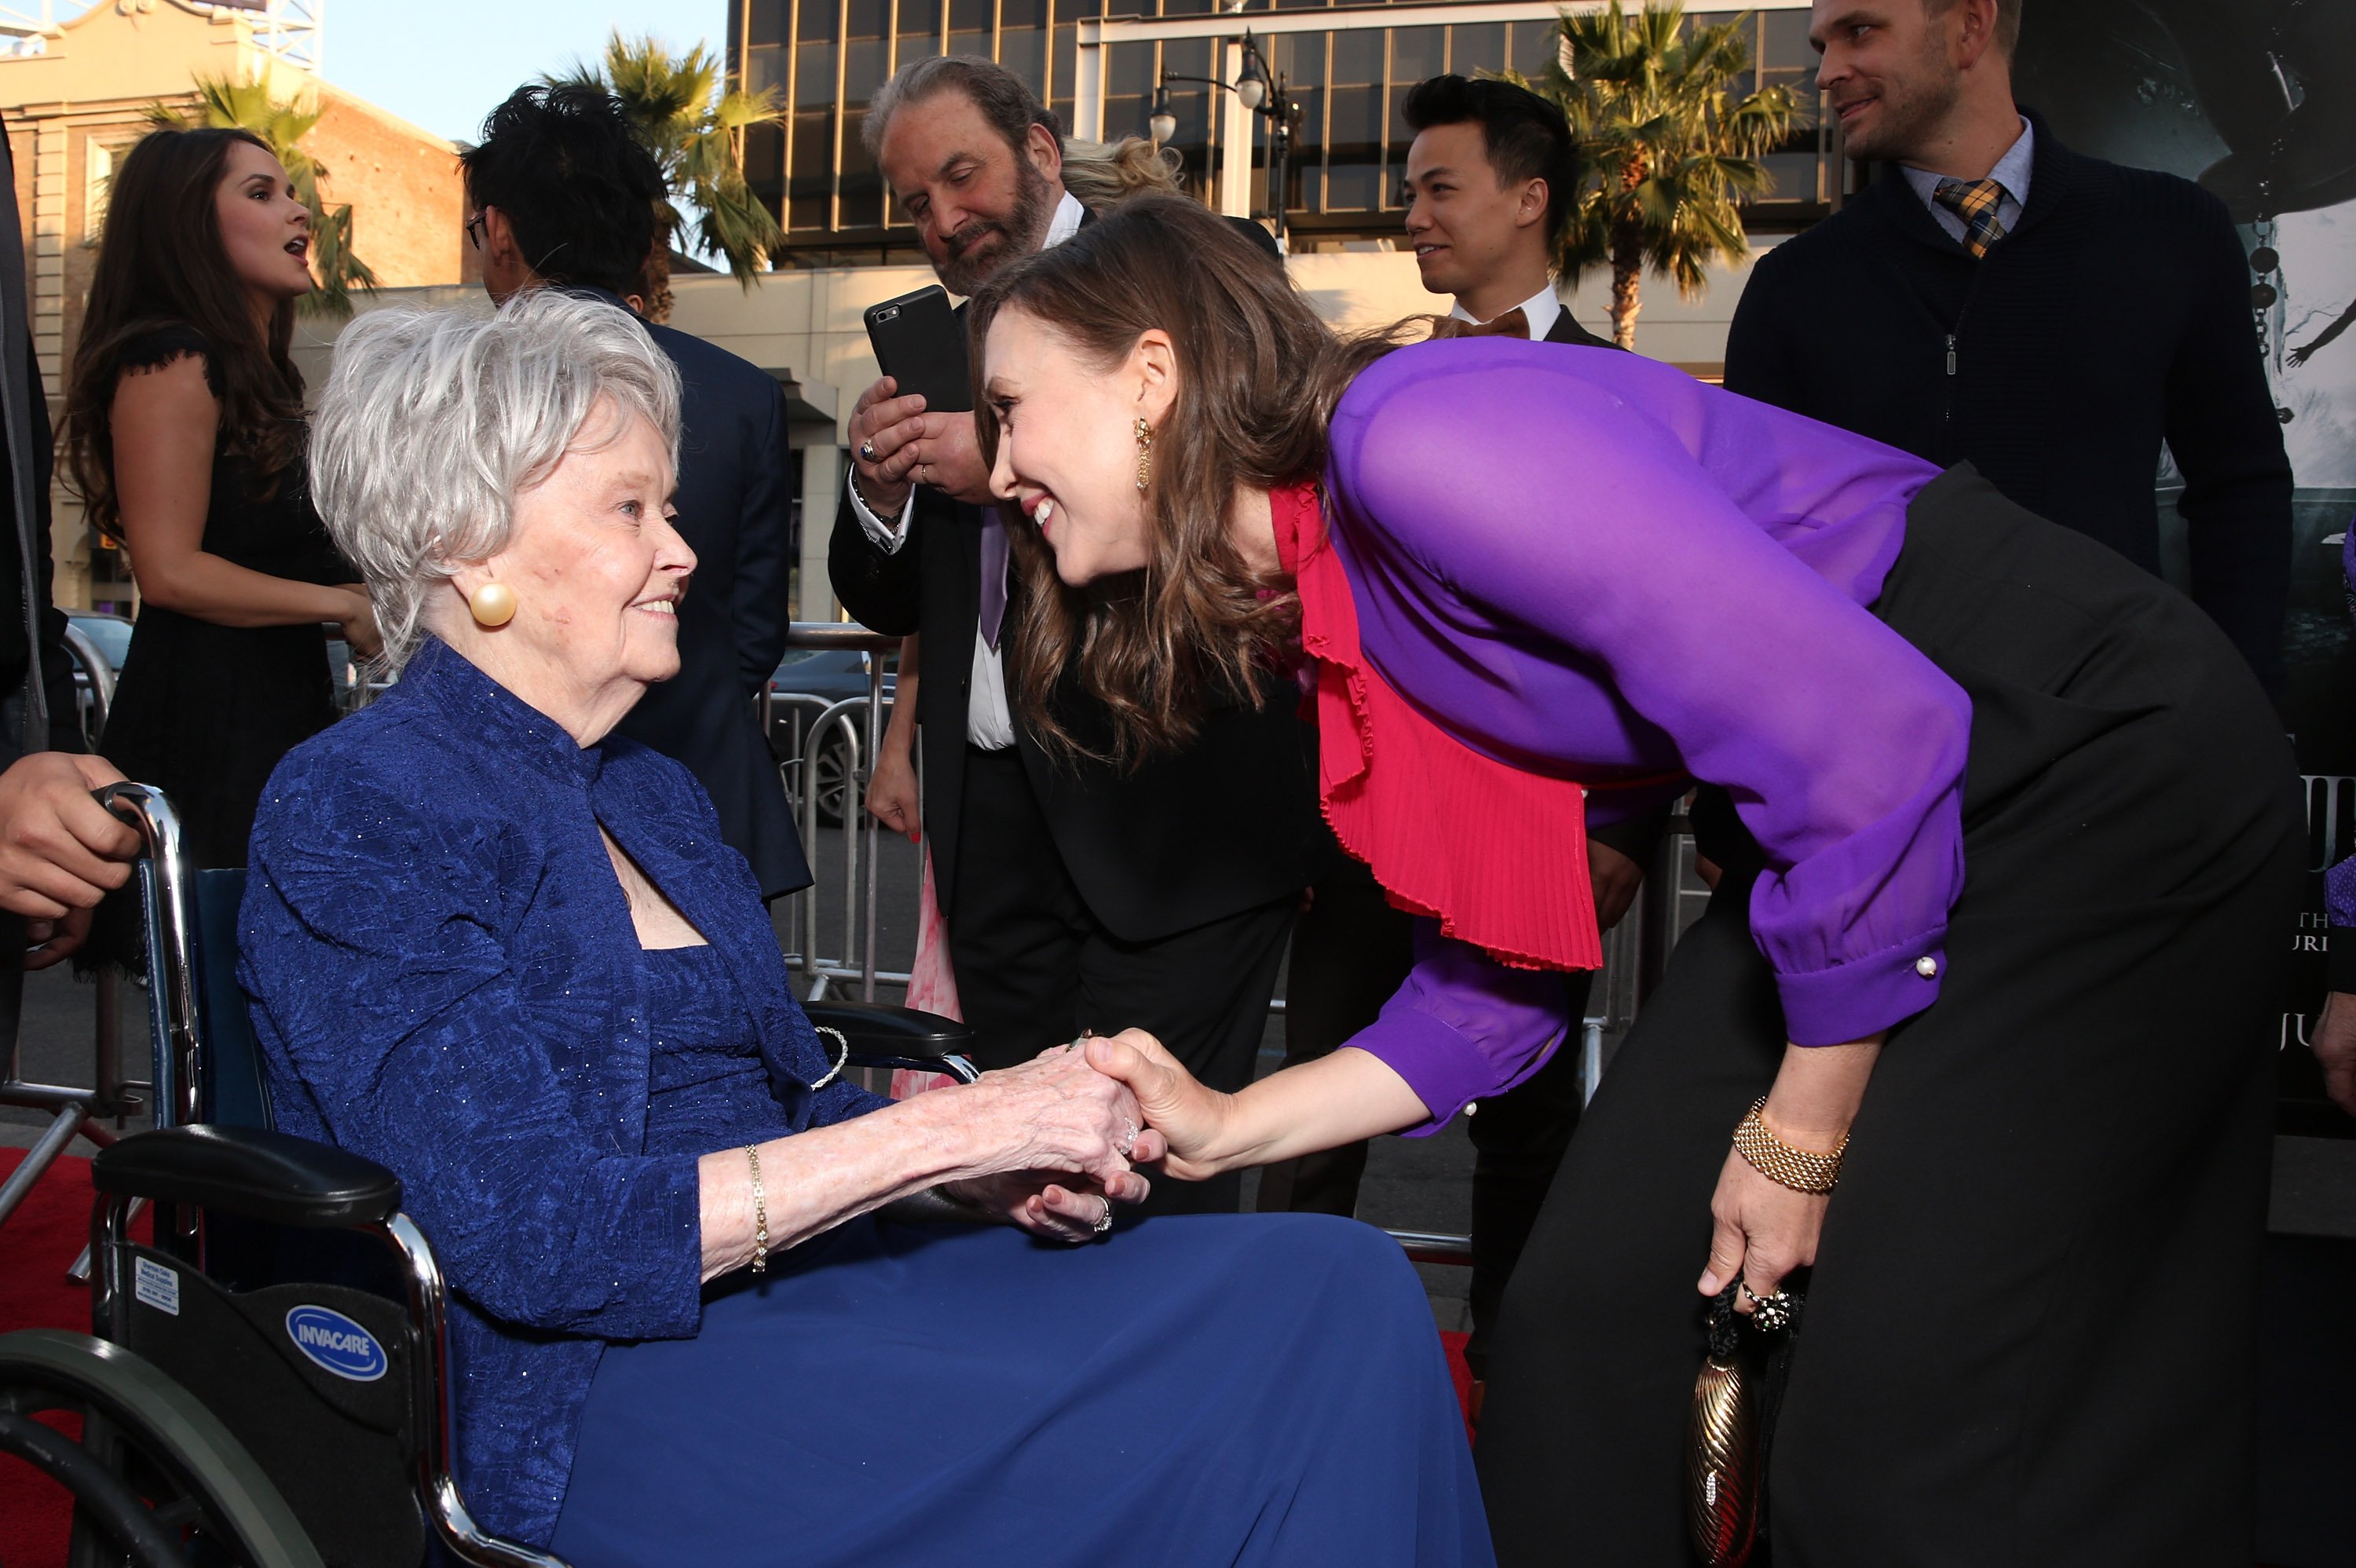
point(1779, 1163)
point(760, 1213)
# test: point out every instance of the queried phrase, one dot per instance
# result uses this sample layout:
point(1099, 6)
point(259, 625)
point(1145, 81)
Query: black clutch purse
point(1734, 1404)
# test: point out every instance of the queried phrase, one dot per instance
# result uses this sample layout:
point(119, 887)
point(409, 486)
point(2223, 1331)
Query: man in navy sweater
point(1999, 300)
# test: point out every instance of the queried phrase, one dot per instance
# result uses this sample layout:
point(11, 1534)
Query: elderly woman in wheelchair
point(509, 959)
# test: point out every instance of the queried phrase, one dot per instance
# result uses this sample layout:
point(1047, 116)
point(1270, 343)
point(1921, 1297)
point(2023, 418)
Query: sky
point(445, 64)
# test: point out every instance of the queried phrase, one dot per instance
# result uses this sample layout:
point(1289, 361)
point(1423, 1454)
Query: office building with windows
point(826, 57)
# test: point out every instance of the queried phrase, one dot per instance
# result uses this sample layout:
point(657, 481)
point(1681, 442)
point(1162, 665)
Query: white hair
point(433, 421)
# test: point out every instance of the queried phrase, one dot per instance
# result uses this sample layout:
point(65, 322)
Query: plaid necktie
point(1974, 201)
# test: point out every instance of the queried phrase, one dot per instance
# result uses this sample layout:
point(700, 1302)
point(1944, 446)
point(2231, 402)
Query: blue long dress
point(447, 979)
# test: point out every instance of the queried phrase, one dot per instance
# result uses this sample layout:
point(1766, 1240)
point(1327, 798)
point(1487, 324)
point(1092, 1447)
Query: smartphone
point(920, 343)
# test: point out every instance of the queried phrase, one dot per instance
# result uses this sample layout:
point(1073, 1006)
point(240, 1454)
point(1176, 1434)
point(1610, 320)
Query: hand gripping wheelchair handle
point(266, 1176)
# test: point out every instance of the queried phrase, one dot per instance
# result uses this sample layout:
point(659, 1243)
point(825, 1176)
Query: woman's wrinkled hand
point(1186, 1122)
point(1053, 1114)
point(1059, 1209)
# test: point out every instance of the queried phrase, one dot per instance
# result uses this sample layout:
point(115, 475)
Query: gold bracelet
point(760, 1213)
point(1779, 1162)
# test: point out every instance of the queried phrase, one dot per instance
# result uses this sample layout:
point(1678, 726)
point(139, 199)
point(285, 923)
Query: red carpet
point(36, 1246)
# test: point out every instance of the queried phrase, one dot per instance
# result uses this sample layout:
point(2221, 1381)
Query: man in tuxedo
point(1077, 895)
point(563, 195)
point(1488, 178)
point(2052, 319)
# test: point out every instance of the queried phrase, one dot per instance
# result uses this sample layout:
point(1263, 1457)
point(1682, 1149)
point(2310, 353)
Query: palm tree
point(695, 127)
point(226, 105)
point(1667, 151)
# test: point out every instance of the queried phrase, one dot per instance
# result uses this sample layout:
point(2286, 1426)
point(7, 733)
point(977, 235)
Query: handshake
point(1065, 1135)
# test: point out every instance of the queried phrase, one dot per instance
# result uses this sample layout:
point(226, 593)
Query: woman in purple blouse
point(2006, 830)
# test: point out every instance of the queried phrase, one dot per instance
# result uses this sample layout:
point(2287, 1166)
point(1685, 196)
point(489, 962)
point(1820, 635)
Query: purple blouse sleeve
point(1465, 1026)
point(1564, 516)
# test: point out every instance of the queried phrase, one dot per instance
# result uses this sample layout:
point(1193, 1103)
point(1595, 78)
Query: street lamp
point(1252, 89)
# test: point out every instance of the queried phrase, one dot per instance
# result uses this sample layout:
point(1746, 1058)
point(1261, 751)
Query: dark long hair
point(1257, 377)
point(161, 263)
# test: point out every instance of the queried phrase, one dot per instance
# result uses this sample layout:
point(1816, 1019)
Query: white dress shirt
point(2011, 172)
point(989, 719)
point(1541, 307)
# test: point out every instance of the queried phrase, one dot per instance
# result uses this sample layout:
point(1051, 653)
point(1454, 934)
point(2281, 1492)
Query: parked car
point(111, 635)
point(807, 682)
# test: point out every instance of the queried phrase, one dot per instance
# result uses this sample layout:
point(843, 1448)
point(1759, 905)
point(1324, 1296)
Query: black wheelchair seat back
point(233, 1090)
point(316, 1380)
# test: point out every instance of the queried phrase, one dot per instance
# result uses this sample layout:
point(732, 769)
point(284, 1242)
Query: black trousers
point(2030, 1329)
point(1350, 953)
point(1033, 968)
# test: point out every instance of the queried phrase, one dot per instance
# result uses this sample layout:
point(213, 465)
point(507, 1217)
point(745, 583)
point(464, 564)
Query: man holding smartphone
point(1081, 897)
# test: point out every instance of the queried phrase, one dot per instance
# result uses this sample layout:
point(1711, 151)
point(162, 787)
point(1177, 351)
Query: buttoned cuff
point(1446, 1071)
point(1865, 996)
point(888, 537)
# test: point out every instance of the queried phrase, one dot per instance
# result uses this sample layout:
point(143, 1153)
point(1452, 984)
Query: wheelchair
point(268, 1381)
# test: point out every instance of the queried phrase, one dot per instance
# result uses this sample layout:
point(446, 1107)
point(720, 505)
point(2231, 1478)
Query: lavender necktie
point(994, 555)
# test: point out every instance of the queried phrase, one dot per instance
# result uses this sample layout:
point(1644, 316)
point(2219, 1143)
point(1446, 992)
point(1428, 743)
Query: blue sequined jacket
point(445, 979)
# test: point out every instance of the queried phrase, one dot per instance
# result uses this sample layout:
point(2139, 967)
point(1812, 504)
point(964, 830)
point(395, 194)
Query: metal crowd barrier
point(857, 722)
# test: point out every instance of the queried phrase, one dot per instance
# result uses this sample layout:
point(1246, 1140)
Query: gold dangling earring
point(1144, 453)
point(492, 604)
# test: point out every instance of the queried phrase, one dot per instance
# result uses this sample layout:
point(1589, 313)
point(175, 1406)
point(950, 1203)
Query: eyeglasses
point(475, 231)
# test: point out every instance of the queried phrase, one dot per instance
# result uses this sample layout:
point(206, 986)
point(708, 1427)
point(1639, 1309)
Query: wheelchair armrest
point(266, 1176)
point(880, 1031)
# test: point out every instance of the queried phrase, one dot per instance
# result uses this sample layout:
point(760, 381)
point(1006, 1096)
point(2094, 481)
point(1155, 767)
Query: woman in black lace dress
point(185, 437)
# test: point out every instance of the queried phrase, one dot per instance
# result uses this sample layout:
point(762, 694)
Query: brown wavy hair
point(161, 263)
point(1257, 377)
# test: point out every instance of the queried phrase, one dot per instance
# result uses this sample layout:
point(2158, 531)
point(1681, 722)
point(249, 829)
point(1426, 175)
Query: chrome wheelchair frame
point(186, 1168)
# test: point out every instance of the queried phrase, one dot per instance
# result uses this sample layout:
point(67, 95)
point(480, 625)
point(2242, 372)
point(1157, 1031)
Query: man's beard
point(973, 256)
point(1910, 113)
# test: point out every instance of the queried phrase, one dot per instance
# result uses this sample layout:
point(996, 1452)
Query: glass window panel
point(1476, 49)
point(919, 19)
point(1308, 139)
point(1300, 57)
point(1128, 67)
point(1067, 44)
point(1802, 84)
point(1074, 10)
point(1416, 53)
point(1352, 186)
point(862, 201)
point(918, 45)
point(1357, 59)
point(1128, 114)
point(1785, 45)
point(1300, 5)
point(972, 15)
point(1528, 46)
point(1022, 14)
point(1186, 7)
point(764, 67)
point(1794, 174)
point(813, 75)
point(810, 186)
point(975, 44)
point(764, 21)
point(765, 159)
point(863, 68)
point(1186, 57)
point(815, 19)
point(867, 18)
point(1023, 52)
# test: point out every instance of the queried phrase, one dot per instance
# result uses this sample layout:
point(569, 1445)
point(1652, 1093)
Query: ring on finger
point(1104, 1221)
point(867, 451)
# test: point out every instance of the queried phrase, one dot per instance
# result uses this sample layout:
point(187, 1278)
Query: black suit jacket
point(732, 625)
point(2115, 316)
point(1566, 330)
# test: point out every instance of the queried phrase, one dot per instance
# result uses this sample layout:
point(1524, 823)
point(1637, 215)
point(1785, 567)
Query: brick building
point(76, 99)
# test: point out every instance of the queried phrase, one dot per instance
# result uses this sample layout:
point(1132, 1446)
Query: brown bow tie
point(1514, 323)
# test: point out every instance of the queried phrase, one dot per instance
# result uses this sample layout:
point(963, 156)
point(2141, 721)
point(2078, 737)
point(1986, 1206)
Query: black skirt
point(2031, 1328)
